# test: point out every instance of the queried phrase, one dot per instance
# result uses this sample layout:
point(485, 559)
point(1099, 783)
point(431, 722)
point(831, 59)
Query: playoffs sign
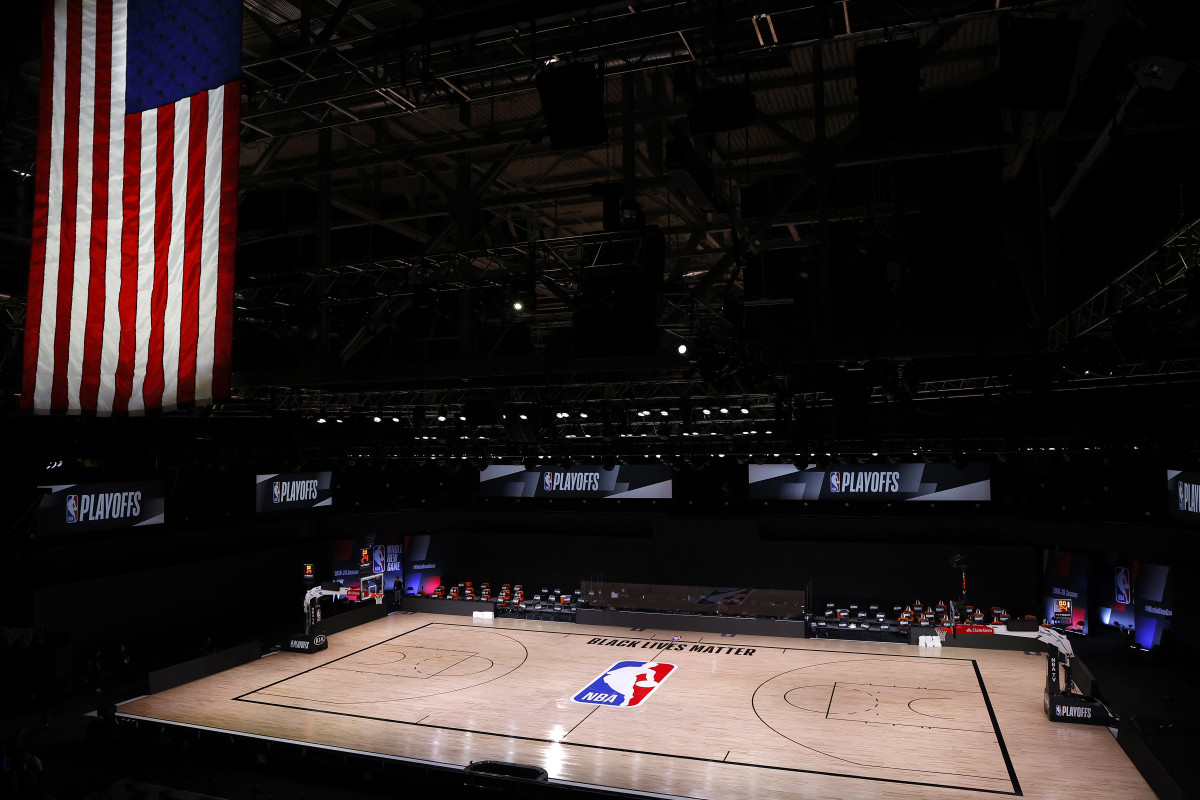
point(82, 507)
point(289, 491)
point(926, 482)
point(1183, 495)
point(624, 482)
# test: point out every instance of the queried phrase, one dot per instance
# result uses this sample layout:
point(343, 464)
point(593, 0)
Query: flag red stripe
point(66, 253)
point(189, 327)
point(98, 251)
point(153, 388)
point(229, 171)
point(127, 302)
point(41, 211)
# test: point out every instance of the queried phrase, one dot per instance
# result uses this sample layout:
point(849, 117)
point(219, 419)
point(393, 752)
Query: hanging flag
point(135, 211)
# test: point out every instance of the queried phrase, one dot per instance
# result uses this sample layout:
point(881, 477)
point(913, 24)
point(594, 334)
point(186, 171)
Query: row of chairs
point(508, 594)
point(917, 613)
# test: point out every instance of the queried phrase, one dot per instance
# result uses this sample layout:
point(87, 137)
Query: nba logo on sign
point(835, 482)
point(548, 481)
point(625, 684)
point(377, 559)
point(1122, 593)
point(275, 492)
point(72, 508)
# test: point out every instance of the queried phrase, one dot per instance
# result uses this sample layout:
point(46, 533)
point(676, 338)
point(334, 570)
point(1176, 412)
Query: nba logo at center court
point(72, 508)
point(275, 492)
point(548, 481)
point(625, 684)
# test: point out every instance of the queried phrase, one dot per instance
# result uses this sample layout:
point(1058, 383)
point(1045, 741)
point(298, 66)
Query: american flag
point(131, 280)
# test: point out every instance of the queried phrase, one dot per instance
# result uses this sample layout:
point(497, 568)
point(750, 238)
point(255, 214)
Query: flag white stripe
point(110, 349)
point(209, 247)
point(44, 374)
point(174, 306)
point(145, 260)
point(86, 124)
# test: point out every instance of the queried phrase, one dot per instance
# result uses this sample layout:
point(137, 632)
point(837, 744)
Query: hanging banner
point(292, 490)
point(925, 482)
point(1183, 495)
point(84, 507)
point(640, 482)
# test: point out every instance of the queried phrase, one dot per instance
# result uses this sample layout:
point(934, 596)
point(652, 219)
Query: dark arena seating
point(387, 385)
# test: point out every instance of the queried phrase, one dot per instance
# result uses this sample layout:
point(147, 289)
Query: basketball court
point(713, 716)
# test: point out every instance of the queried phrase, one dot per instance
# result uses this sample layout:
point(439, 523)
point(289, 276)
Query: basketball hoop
point(941, 632)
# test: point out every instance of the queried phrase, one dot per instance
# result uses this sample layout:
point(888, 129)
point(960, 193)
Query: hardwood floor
point(736, 716)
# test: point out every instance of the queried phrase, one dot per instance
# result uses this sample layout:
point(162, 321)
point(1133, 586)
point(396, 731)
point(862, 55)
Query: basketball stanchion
point(370, 587)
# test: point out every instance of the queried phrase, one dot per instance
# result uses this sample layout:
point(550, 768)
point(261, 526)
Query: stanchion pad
point(306, 643)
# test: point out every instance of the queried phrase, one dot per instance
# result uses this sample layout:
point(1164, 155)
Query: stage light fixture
point(682, 349)
point(338, 421)
point(462, 417)
point(583, 415)
point(517, 305)
point(724, 410)
point(377, 419)
point(395, 419)
point(525, 416)
point(321, 420)
point(664, 413)
point(440, 418)
point(745, 411)
point(707, 412)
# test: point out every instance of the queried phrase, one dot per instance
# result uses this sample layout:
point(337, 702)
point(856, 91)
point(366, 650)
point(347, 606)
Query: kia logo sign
point(319, 639)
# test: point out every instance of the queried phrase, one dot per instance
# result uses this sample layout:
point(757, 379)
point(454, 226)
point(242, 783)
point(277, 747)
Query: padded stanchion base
point(306, 643)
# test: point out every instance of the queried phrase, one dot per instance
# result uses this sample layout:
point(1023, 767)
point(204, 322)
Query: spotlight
point(707, 412)
point(583, 414)
point(724, 410)
point(523, 416)
point(441, 417)
point(321, 420)
point(462, 417)
point(745, 411)
point(682, 349)
point(664, 413)
point(395, 419)
point(377, 419)
point(517, 305)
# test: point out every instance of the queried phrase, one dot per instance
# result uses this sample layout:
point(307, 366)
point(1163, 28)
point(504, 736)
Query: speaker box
point(771, 274)
point(615, 315)
point(573, 105)
point(888, 77)
point(724, 107)
point(1037, 62)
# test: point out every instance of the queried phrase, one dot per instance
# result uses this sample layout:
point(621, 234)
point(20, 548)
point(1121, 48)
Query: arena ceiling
point(999, 262)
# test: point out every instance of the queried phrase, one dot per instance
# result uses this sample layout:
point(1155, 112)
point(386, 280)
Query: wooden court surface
point(743, 716)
